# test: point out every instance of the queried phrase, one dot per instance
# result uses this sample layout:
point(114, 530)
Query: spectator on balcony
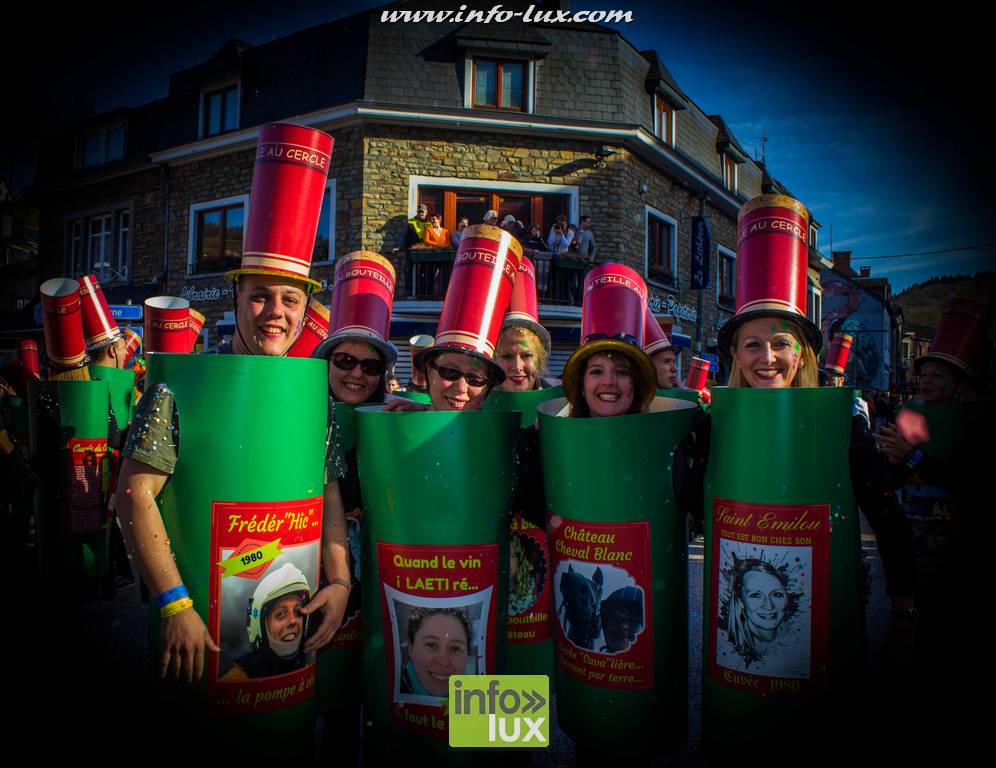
point(516, 228)
point(586, 239)
point(435, 235)
point(491, 218)
point(535, 241)
point(457, 235)
point(557, 241)
point(415, 229)
point(571, 235)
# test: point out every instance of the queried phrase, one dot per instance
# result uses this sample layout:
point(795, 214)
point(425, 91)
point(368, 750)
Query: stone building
point(536, 120)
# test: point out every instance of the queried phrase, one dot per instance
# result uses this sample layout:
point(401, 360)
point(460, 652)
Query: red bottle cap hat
point(61, 313)
point(133, 342)
point(314, 330)
point(772, 258)
point(613, 319)
point(167, 324)
point(362, 299)
point(656, 335)
point(27, 353)
point(484, 272)
point(99, 326)
point(288, 185)
point(960, 339)
point(698, 372)
point(523, 307)
point(840, 350)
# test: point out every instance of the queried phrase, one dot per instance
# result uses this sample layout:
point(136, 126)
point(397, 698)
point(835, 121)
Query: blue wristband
point(171, 595)
point(914, 458)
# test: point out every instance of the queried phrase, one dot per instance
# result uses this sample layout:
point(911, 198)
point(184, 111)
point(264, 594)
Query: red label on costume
point(87, 485)
point(529, 584)
point(602, 585)
point(266, 565)
point(439, 606)
point(769, 597)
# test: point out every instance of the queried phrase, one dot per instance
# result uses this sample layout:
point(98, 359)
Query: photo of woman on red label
point(267, 558)
point(600, 581)
point(440, 604)
point(769, 595)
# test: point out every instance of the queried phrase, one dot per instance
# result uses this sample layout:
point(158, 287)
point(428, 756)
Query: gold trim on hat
point(370, 256)
point(773, 201)
point(772, 304)
point(498, 234)
point(466, 338)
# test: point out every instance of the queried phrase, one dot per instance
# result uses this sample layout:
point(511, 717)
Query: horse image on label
point(582, 598)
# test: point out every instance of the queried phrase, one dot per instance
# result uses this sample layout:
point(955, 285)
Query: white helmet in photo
point(288, 579)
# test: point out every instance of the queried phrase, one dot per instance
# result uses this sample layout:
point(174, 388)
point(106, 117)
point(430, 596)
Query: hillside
point(922, 303)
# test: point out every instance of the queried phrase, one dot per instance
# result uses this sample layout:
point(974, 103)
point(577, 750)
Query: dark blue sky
point(873, 119)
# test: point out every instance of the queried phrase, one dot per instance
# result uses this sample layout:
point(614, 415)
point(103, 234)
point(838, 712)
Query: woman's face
point(435, 220)
point(353, 386)
point(459, 395)
point(439, 650)
point(764, 599)
point(284, 622)
point(768, 353)
point(608, 385)
point(936, 385)
point(516, 356)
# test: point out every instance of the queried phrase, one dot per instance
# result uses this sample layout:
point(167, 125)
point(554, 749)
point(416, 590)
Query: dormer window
point(663, 121)
point(729, 172)
point(220, 110)
point(499, 84)
point(101, 146)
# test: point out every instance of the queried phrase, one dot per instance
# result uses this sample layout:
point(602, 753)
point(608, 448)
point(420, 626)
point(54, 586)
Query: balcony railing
point(559, 277)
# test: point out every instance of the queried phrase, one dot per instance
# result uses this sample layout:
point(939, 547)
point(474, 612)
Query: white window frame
point(330, 188)
point(468, 80)
point(817, 302)
point(202, 106)
point(732, 255)
point(573, 192)
point(671, 140)
point(649, 211)
point(78, 241)
point(104, 133)
point(192, 229)
point(723, 158)
point(814, 237)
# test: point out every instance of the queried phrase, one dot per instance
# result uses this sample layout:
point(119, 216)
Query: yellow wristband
point(341, 583)
point(171, 609)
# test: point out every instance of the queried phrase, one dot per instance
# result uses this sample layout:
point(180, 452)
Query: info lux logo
point(499, 711)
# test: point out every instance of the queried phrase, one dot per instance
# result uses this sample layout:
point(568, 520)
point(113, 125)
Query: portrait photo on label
point(600, 608)
point(764, 622)
point(527, 572)
point(262, 629)
point(434, 639)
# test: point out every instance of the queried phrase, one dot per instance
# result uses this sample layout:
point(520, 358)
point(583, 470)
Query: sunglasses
point(346, 362)
point(452, 374)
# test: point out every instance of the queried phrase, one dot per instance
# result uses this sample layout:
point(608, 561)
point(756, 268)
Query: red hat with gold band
point(195, 321)
point(288, 185)
point(27, 354)
point(613, 319)
point(772, 258)
point(313, 332)
point(167, 324)
point(840, 350)
point(65, 343)
point(698, 372)
point(657, 334)
point(133, 342)
point(960, 339)
point(523, 307)
point(99, 326)
point(484, 272)
point(362, 299)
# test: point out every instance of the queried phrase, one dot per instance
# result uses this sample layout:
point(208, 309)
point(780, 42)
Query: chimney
point(842, 262)
point(866, 271)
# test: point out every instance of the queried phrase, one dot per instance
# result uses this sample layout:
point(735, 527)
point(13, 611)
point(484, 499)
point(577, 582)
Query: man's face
point(269, 315)
point(667, 369)
point(585, 223)
point(422, 213)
